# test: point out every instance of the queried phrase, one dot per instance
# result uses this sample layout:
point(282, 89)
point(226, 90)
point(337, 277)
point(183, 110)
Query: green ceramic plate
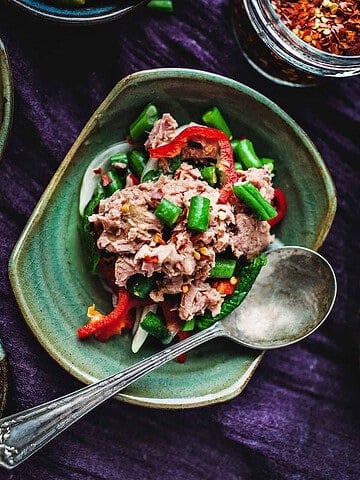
point(6, 98)
point(47, 268)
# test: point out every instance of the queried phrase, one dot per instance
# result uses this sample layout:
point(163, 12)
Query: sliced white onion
point(90, 180)
point(140, 334)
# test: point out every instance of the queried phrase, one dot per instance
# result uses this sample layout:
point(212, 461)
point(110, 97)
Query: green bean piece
point(199, 213)
point(238, 166)
point(167, 212)
point(269, 162)
point(251, 196)
point(153, 324)
point(137, 162)
point(246, 154)
point(209, 175)
point(140, 286)
point(116, 183)
point(120, 158)
point(214, 118)
point(223, 268)
point(174, 163)
point(144, 122)
point(163, 5)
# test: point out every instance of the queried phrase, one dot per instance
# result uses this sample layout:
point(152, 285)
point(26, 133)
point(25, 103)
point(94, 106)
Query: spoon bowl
point(291, 297)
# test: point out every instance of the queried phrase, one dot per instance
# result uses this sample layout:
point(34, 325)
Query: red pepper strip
point(174, 147)
point(225, 163)
point(181, 335)
point(280, 206)
point(99, 322)
point(126, 321)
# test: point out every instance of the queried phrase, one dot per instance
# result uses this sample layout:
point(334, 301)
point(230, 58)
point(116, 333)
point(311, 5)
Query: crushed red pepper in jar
point(332, 26)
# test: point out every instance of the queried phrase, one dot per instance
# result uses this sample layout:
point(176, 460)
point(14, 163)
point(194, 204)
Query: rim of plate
point(83, 16)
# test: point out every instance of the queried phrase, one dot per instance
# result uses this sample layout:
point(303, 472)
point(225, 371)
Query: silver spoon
point(291, 297)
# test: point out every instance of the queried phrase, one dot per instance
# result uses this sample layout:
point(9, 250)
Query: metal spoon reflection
point(291, 298)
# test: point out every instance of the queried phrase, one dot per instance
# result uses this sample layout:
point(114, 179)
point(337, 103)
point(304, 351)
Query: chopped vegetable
point(199, 213)
point(153, 324)
point(98, 321)
point(144, 122)
point(251, 196)
point(209, 175)
point(92, 253)
point(223, 268)
point(268, 162)
point(246, 154)
point(114, 183)
point(137, 162)
point(120, 158)
point(214, 118)
point(167, 212)
point(163, 5)
point(140, 286)
point(280, 206)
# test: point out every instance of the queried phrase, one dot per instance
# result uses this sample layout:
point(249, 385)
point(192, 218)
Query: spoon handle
point(23, 433)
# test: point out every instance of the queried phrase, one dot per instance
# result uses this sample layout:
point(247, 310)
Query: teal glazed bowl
point(93, 12)
point(48, 270)
point(6, 98)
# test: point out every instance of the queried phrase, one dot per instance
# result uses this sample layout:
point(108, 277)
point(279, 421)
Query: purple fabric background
point(299, 416)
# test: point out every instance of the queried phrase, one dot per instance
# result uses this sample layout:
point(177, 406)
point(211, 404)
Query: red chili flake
point(332, 26)
point(151, 259)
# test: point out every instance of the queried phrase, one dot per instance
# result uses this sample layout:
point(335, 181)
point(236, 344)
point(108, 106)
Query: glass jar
point(274, 51)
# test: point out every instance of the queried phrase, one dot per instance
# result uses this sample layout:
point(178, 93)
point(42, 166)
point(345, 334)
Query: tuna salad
point(177, 226)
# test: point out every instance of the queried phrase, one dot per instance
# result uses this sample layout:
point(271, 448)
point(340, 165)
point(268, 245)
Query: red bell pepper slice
point(114, 321)
point(174, 147)
point(226, 158)
point(280, 206)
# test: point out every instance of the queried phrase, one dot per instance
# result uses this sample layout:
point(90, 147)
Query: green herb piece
point(167, 212)
point(150, 176)
point(214, 118)
point(199, 213)
point(247, 274)
point(251, 196)
point(140, 286)
point(144, 122)
point(245, 153)
point(174, 163)
point(92, 253)
point(189, 325)
point(223, 268)
point(153, 324)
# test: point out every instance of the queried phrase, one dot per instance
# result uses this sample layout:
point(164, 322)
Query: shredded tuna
point(129, 229)
point(163, 131)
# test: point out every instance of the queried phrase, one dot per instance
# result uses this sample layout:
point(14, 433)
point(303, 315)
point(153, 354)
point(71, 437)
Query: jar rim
point(293, 49)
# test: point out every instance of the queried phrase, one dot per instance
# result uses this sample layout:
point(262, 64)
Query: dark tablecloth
point(299, 416)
